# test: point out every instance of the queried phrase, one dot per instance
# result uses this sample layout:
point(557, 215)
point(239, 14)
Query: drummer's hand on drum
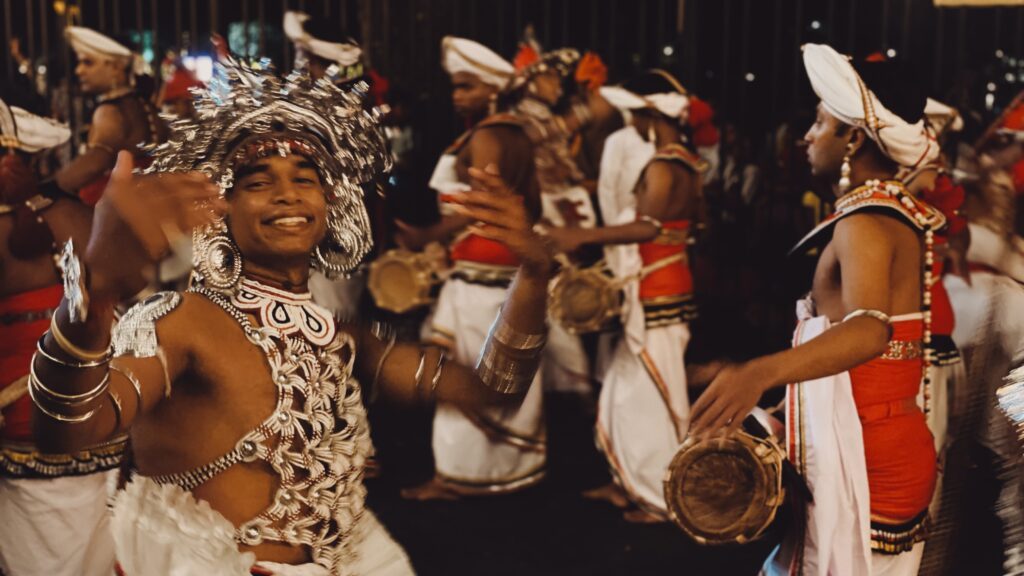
point(733, 393)
point(499, 214)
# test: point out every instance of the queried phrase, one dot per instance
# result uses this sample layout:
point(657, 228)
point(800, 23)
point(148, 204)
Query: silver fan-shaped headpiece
point(247, 112)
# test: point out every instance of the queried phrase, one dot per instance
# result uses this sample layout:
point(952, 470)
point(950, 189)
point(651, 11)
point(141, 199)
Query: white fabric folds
point(342, 53)
point(462, 55)
point(845, 96)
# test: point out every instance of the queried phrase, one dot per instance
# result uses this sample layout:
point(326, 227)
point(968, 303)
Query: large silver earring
point(844, 170)
point(492, 104)
point(217, 260)
point(652, 134)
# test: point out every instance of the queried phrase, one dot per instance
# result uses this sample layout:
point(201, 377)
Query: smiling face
point(99, 75)
point(277, 211)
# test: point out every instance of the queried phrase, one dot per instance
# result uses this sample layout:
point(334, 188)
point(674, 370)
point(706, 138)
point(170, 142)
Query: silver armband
point(877, 315)
point(135, 334)
point(510, 359)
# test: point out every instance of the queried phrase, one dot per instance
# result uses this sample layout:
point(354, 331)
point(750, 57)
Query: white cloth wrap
point(462, 55)
point(837, 541)
point(640, 427)
point(340, 296)
point(671, 104)
point(343, 54)
point(837, 83)
point(35, 133)
point(445, 180)
point(462, 451)
point(943, 116)
point(622, 99)
point(622, 163)
point(56, 526)
point(162, 529)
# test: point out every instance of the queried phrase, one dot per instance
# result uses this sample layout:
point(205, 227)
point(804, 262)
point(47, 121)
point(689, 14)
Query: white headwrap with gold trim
point(844, 95)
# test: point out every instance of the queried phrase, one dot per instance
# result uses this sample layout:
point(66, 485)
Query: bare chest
point(827, 288)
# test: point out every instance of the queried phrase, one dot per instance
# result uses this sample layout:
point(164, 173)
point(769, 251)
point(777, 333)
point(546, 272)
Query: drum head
point(585, 301)
point(398, 282)
point(725, 490)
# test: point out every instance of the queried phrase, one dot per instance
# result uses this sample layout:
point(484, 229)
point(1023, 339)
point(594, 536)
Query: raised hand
point(500, 215)
point(138, 218)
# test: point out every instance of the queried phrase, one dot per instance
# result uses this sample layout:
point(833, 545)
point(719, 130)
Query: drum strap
point(652, 268)
point(791, 479)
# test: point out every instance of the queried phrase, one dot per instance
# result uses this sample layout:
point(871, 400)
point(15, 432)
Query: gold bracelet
point(41, 350)
point(135, 386)
point(69, 399)
point(117, 408)
point(56, 416)
point(75, 352)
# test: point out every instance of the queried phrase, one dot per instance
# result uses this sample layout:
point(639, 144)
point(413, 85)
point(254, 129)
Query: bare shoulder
point(108, 114)
point(869, 232)
point(661, 175)
point(496, 136)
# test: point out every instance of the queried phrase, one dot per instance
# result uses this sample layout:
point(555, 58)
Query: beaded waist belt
point(898, 538)
point(24, 460)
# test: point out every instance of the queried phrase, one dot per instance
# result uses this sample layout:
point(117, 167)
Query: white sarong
point(644, 411)
point(56, 526)
point(162, 529)
point(825, 443)
point(494, 449)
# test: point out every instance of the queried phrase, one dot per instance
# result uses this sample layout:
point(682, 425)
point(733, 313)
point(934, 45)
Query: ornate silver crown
point(247, 112)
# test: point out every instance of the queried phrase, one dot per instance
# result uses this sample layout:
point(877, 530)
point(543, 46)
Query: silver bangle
point(437, 372)
point(510, 359)
point(56, 416)
point(69, 399)
point(375, 390)
point(135, 385)
point(74, 365)
point(876, 314)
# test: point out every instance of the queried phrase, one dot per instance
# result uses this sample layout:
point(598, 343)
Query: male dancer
point(854, 428)
point(643, 410)
point(53, 504)
point(481, 451)
point(247, 425)
point(124, 117)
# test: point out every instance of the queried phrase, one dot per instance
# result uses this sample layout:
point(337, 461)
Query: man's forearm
point(839, 349)
point(85, 169)
point(632, 233)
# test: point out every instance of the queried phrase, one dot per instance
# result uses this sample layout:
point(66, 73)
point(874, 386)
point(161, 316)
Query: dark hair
point(895, 85)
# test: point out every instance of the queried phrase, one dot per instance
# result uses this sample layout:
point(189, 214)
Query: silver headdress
point(248, 112)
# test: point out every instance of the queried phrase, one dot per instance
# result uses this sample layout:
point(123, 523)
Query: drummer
point(854, 429)
point(478, 452)
point(643, 410)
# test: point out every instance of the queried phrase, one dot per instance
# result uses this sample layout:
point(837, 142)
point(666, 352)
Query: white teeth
point(289, 221)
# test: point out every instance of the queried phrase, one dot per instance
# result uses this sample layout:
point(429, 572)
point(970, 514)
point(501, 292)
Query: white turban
point(671, 104)
point(344, 55)
point(622, 99)
point(943, 117)
point(26, 131)
point(462, 55)
point(844, 95)
point(88, 41)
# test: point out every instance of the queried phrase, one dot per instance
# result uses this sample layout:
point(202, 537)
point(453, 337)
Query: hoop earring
point(218, 260)
point(652, 135)
point(844, 170)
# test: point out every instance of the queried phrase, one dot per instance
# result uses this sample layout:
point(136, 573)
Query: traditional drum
point(400, 280)
point(585, 300)
point(727, 490)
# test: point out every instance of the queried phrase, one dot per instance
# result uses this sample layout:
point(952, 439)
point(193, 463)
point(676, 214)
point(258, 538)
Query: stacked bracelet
point(80, 354)
point(510, 359)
